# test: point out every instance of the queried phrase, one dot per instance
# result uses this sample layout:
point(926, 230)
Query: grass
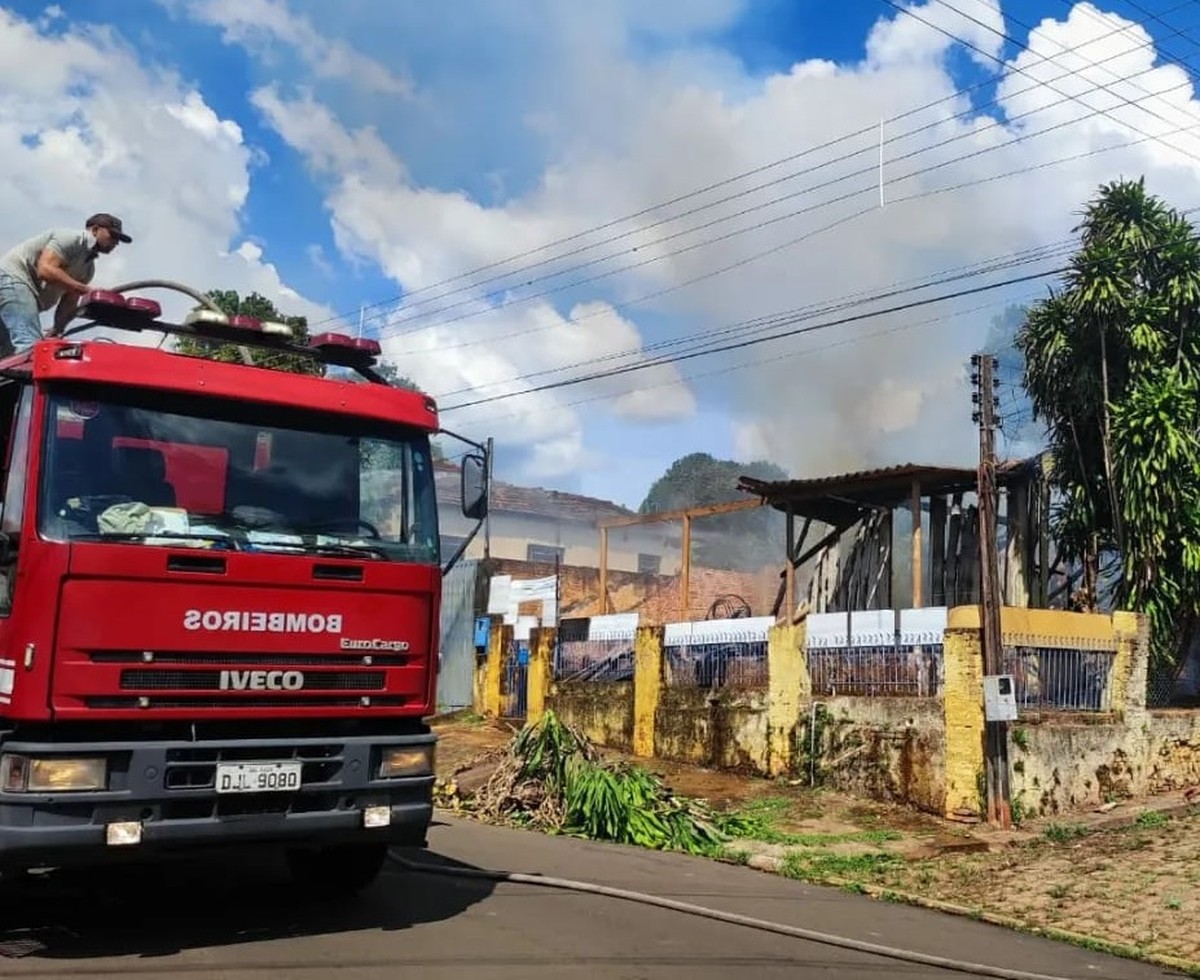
point(1061, 833)
point(1150, 819)
point(759, 821)
point(818, 866)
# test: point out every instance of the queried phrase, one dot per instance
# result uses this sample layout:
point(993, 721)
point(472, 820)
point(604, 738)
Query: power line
point(1025, 71)
point(743, 365)
point(768, 321)
point(758, 226)
point(751, 342)
point(727, 181)
point(930, 193)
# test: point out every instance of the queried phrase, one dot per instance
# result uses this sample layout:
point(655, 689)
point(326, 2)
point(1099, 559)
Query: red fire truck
point(219, 597)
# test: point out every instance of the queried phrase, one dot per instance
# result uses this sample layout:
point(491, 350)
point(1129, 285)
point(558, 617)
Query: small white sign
point(999, 697)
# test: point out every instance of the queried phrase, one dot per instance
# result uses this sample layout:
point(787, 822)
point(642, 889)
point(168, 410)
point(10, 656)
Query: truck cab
point(219, 601)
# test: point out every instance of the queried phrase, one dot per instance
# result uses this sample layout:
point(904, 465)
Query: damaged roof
point(840, 499)
point(536, 501)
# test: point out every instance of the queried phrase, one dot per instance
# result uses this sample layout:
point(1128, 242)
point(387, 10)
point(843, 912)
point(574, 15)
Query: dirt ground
point(1137, 887)
point(793, 811)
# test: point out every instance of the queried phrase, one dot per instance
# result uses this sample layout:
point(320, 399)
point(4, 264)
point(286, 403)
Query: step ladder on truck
point(219, 597)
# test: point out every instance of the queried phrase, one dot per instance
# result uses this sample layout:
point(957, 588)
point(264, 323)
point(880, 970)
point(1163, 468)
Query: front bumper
point(168, 788)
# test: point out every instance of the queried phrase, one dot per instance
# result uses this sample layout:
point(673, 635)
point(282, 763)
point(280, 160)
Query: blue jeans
point(20, 322)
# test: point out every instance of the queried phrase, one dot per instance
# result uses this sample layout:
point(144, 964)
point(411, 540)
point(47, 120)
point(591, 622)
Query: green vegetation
point(552, 779)
point(741, 541)
point(255, 305)
point(1112, 366)
point(1061, 833)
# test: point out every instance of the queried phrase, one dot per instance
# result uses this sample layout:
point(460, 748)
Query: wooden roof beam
point(709, 510)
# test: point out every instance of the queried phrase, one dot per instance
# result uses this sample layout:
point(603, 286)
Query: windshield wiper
point(350, 550)
point(143, 535)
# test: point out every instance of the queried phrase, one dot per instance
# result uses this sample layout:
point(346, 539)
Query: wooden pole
point(917, 573)
point(996, 746)
point(603, 571)
point(937, 551)
point(685, 577)
point(789, 570)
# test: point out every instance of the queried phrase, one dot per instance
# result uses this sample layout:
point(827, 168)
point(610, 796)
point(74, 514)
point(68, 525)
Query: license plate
point(258, 777)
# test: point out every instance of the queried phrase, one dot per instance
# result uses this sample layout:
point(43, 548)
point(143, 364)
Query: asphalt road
point(233, 920)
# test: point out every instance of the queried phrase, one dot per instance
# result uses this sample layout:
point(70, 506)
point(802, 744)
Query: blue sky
point(385, 148)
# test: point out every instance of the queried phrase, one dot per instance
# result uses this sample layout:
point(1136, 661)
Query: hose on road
point(842, 942)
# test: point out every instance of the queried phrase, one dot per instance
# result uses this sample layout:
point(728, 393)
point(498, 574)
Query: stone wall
point(725, 728)
point(923, 751)
point(603, 712)
point(883, 748)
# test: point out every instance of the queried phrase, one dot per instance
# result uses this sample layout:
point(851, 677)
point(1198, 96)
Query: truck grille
point(251, 659)
point(210, 680)
point(195, 769)
point(285, 701)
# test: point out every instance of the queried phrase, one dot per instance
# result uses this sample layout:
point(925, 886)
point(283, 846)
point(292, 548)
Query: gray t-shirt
point(75, 247)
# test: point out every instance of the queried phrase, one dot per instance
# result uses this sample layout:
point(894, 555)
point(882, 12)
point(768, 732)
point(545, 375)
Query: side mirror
point(474, 487)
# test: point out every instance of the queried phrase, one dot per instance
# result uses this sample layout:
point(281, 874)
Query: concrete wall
point(923, 751)
point(602, 712)
point(725, 729)
point(882, 748)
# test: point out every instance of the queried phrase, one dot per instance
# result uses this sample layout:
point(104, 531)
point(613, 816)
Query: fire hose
point(763, 925)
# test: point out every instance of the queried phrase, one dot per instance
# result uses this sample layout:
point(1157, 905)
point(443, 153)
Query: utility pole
point(983, 378)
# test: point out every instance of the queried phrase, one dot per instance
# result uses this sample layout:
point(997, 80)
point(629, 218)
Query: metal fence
point(514, 680)
point(876, 652)
point(717, 665)
point(908, 670)
point(1051, 678)
point(594, 660)
point(597, 649)
point(719, 653)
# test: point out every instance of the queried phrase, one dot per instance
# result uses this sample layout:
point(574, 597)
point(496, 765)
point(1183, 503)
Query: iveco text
point(216, 620)
point(261, 680)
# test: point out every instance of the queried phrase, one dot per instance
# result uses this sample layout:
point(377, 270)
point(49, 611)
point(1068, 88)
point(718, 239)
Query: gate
point(456, 655)
point(514, 679)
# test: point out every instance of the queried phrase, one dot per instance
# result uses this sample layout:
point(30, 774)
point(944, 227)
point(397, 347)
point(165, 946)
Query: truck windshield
point(155, 469)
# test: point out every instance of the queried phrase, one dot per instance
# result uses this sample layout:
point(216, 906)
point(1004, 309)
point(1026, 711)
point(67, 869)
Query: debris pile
point(553, 779)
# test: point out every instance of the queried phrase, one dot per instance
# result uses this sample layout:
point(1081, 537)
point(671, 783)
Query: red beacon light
point(110, 308)
point(243, 322)
point(338, 348)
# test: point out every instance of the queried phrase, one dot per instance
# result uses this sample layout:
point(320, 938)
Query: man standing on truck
point(54, 267)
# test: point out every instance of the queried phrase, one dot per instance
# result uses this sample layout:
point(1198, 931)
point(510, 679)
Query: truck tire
point(340, 870)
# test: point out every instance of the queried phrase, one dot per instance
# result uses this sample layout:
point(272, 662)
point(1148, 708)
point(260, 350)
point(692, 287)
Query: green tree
point(391, 374)
point(259, 306)
point(1112, 365)
point(743, 540)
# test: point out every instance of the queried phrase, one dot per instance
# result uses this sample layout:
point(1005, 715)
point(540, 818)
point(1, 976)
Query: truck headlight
point(22, 774)
point(406, 760)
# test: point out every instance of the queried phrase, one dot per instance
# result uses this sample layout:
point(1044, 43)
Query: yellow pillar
point(647, 687)
point(541, 661)
point(499, 640)
point(788, 686)
point(1126, 629)
point(963, 706)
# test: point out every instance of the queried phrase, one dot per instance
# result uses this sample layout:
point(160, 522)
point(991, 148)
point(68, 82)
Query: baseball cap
point(109, 221)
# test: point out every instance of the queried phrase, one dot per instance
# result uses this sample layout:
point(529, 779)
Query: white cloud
point(86, 126)
point(255, 24)
point(623, 133)
point(421, 237)
point(896, 41)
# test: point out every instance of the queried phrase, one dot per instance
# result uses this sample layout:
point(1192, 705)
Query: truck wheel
point(340, 870)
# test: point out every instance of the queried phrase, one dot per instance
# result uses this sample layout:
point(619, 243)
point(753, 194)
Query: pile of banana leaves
point(553, 779)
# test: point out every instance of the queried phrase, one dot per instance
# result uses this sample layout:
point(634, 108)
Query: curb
point(773, 865)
